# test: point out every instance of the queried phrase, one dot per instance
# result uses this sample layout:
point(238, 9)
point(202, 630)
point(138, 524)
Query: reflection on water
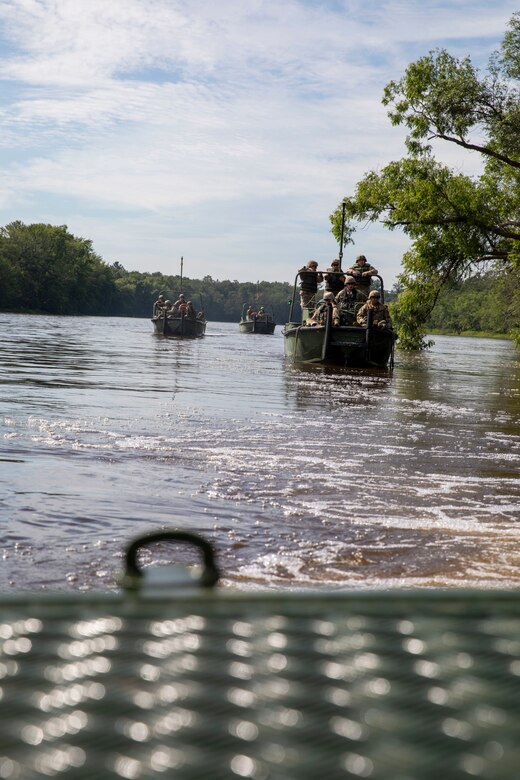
point(301, 475)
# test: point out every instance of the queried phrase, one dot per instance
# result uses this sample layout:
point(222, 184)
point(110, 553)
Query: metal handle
point(210, 574)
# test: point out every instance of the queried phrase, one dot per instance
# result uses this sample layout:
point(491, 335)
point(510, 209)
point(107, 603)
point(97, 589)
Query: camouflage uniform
point(318, 318)
point(159, 306)
point(347, 297)
point(362, 273)
point(344, 309)
point(381, 317)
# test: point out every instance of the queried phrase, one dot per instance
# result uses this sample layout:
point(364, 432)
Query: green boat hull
point(265, 327)
point(344, 346)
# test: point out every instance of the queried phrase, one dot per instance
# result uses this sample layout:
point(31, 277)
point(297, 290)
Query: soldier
point(261, 313)
point(381, 316)
point(190, 311)
point(345, 302)
point(309, 283)
point(334, 278)
point(362, 272)
point(159, 305)
point(318, 318)
point(251, 313)
point(181, 300)
point(349, 294)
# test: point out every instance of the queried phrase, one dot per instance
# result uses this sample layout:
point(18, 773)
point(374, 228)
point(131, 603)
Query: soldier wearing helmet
point(346, 299)
point(334, 278)
point(159, 305)
point(362, 272)
point(310, 278)
point(380, 313)
point(320, 313)
point(349, 293)
point(190, 311)
point(181, 301)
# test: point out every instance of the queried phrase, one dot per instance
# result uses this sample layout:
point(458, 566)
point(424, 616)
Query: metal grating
point(388, 686)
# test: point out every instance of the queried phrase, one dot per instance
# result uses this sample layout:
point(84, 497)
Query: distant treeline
point(45, 269)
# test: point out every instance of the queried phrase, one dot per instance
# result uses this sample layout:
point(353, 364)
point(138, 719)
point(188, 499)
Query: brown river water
point(300, 476)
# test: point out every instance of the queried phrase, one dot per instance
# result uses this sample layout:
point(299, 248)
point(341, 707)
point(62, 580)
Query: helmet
point(374, 294)
point(181, 295)
point(361, 257)
point(335, 261)
point(329, 296)
point(312, 263)
point(169, 303)
point(189, 303)
point(350, 280)
point(161, 297)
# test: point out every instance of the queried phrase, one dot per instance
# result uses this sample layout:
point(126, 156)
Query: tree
point(45, 268)
point(457, 224)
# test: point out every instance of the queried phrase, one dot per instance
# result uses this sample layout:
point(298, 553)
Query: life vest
point(309, 280)
point(334, 281)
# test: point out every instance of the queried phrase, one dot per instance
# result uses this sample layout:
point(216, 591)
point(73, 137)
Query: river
point(300, 476)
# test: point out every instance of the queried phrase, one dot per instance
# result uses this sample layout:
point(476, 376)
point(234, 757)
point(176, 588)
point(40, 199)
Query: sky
point(223, 132)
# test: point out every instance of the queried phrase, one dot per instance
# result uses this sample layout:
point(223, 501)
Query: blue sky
point(223, 132)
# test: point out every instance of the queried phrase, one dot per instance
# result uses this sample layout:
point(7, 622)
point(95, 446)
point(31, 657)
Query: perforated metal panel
point(389, 686)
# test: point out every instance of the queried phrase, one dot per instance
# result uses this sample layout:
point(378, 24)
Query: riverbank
point(474, 334)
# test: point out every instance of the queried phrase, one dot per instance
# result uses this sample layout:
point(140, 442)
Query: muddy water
point(301, 476)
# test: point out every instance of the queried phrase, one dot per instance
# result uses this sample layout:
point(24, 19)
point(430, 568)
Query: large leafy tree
point(46, 268)
point(457, 223)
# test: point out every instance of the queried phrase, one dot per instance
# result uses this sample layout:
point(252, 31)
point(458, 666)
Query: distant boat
point(347, 344)
point(181, 321)
point(179, 325)
point(256, 322)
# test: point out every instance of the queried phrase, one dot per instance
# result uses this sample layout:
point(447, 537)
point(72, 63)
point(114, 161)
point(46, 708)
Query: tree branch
point(482, 149)
point(496, 229)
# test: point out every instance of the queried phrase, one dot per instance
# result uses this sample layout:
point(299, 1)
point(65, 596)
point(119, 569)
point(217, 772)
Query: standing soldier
point(159, 305)
point(310, 278)
point(181, 300)
point(334, 278)
point(362, 272)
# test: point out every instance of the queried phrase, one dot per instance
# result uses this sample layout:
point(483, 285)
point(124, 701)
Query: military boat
point(179, 325)
point(347, 344)
point(256, 322)
point(181, 321)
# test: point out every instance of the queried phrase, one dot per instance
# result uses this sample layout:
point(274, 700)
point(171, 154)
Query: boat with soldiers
point(347, 334)
point(179, 319)
point(168, 322)
point(350, 328)
point(253, 321)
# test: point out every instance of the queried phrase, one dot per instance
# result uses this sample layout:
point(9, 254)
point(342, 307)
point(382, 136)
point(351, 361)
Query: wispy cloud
point(226, 132)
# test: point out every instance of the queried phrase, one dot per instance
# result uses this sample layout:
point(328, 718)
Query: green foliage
point(482, 303)
point(457, 224)
point(44, 268)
